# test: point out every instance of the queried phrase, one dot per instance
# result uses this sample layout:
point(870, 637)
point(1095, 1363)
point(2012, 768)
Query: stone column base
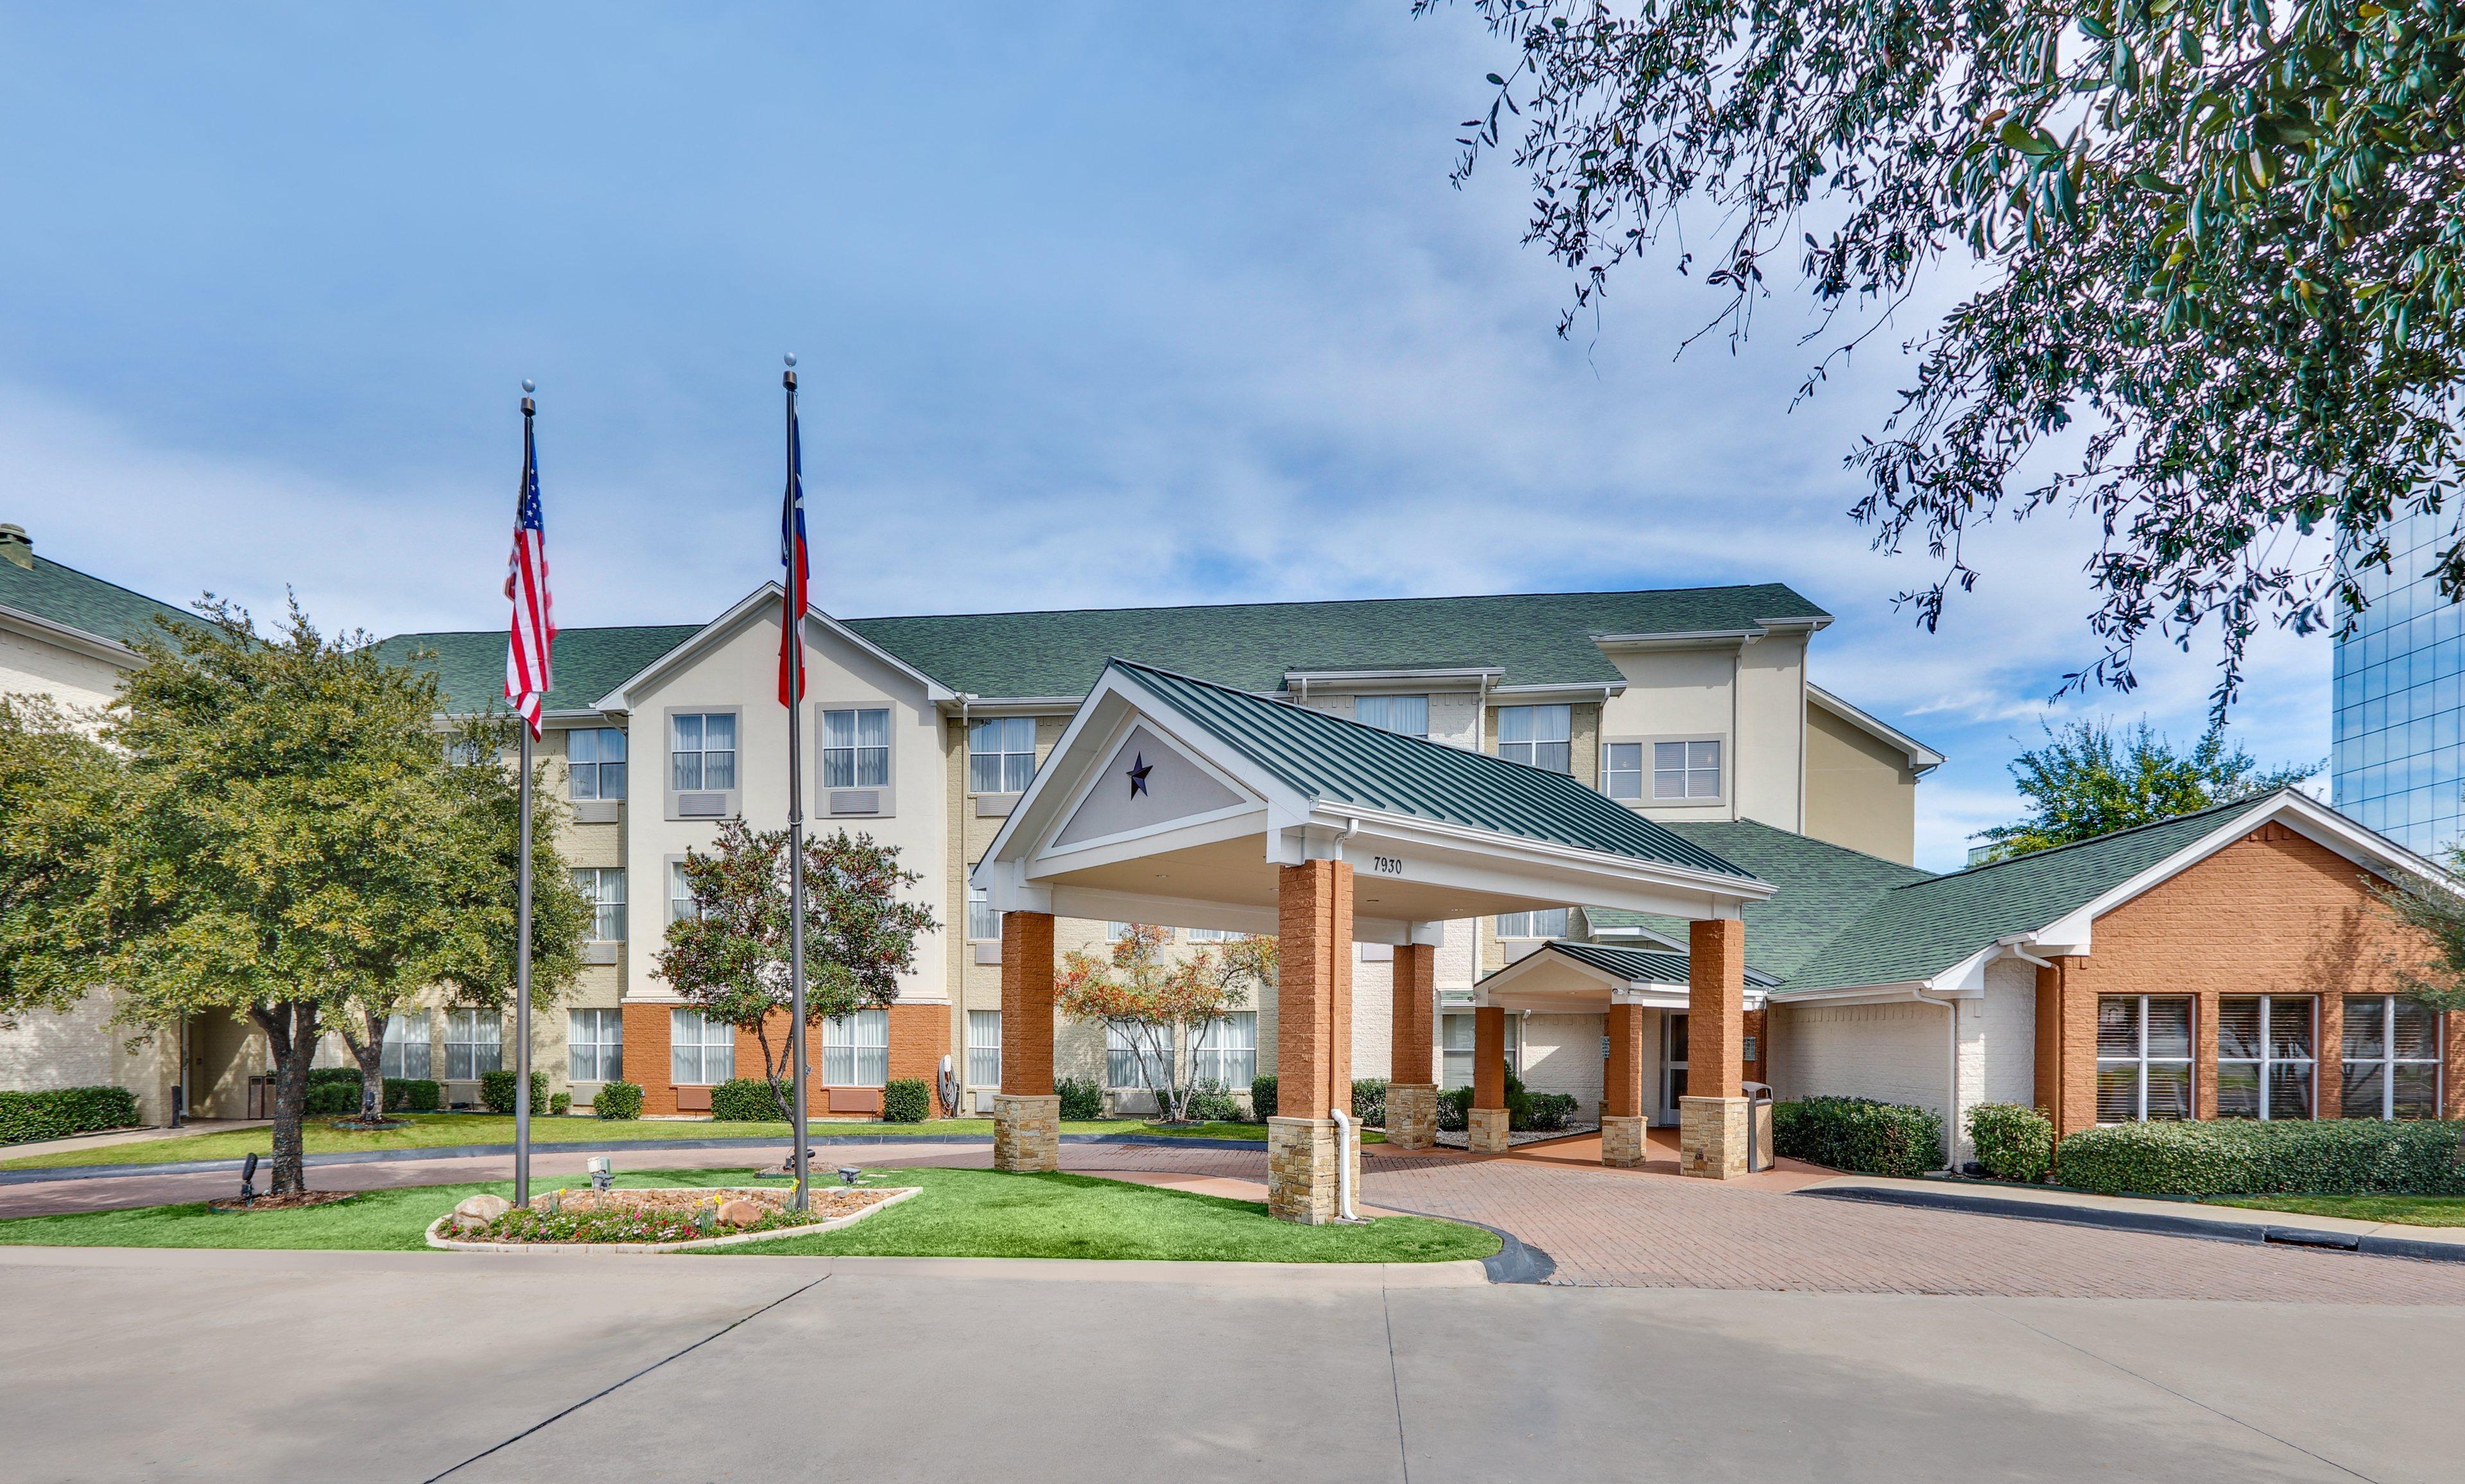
point(1027, 1133)
point(1411, 1114)
point(1300, 1171)
point(1712, 1136)
point(1621, 1141)
point(1485, 1130)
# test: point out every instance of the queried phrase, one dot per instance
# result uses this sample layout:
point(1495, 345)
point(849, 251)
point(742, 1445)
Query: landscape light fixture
point(602, 1176)
point(850, 1174)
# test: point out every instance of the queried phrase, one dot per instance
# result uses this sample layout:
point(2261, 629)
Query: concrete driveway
point(120, 1364)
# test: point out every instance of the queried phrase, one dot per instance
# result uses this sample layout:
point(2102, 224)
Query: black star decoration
point(1138, 770)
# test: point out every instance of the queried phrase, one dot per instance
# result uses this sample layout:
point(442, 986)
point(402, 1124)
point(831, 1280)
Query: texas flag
point(791, 556)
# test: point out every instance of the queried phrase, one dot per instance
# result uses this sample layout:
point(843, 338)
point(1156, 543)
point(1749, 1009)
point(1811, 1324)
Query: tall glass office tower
point(2399, 764)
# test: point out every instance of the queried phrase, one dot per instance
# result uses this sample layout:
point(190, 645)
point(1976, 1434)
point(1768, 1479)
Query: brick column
point(1412, 1096)
point(1027, 1115)
point(1486, 1127)
point(2328, 1059)
point(1622, 1116)
point(2078, 1012)
point(2205, 1005)
point(2452, 1085)
point(1313, 1039)
point(1712, 1118)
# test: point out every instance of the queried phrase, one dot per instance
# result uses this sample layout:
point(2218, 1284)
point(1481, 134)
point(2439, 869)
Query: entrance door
point(1673, 1064)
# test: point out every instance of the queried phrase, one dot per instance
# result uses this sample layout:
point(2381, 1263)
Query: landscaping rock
point(477, 1211)
point(740, 1213)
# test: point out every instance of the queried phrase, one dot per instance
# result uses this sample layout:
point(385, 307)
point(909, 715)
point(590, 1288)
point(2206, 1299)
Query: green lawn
point(963, 1213)
point(430, 1131)
point(2412, 1210)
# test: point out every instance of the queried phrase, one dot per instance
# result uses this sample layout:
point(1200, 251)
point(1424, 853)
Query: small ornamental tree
point(1156, 1004)
point(59, 793)
point(2435, 910)
point(730, 960)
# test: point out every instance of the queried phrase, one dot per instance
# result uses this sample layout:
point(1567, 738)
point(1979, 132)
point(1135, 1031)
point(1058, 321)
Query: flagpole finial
point(789, 380)
point(528, 405)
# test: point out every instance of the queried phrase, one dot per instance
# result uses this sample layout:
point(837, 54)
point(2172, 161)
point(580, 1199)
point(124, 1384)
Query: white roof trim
point(620, 699)
point(1921, 758)
point(68, 636)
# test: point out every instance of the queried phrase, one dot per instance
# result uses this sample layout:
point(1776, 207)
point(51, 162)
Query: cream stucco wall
point(1859, 789)
point(33, 665)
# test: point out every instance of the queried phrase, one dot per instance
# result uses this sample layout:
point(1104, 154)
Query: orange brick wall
point(646, 1055)
point(1314, 989)
point(919, 1037)
point(2272, 912)
point(1716, 1008)
point(1027, 1004)
point(1414, 1023)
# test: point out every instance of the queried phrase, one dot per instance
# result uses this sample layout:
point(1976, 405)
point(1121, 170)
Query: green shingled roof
point(1823, 887)
point(590, 662)
point(1341, 761)
point(66, 596)
point(1536, 638)
point(1642, 965)
point(1919, 930)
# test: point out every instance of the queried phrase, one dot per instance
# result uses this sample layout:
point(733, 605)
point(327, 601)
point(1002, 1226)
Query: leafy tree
point(2218, 240)
point(730, 960)
point(2435, 911)
point(466, 921)
point(2092, 778)
point(1158, 1003)
point(59, 791)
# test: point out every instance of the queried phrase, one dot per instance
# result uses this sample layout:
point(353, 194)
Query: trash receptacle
point(1758, 1125)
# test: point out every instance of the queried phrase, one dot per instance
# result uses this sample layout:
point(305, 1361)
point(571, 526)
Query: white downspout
point(1344, 1141)
point(1951, 1099)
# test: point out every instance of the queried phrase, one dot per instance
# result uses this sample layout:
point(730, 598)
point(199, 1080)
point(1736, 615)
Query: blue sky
point(1098, 304)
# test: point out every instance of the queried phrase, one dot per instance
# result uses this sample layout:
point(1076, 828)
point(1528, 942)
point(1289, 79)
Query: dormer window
point(1408, 715)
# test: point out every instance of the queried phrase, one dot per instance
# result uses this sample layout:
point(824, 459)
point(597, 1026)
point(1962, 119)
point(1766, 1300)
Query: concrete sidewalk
point(128, 1135)
point(2172, 1218)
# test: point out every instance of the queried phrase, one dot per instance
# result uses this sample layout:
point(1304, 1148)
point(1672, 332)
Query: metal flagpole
point(523, 931)
point(796, 834)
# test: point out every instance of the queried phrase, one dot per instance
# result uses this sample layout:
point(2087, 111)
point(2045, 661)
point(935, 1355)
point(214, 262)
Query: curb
point(31, 1177)
point(2244, 1233)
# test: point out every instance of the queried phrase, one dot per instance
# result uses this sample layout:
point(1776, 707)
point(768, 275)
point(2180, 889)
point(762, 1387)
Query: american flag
point(534, 627)
point(792, 557)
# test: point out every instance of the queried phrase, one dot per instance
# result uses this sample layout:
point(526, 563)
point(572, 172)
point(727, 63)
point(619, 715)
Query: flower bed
point(662, 1219)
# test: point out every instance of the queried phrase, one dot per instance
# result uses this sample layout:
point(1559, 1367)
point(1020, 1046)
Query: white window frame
point(1471, 1037)
point(1692, 758)
point(594, 1044)
point(855, 1050)
point(1122, 1057)
point(405, 1035)
point(1211, 935)
point(710, 1046)
point(679, 907)
point(1013, 767)
point(1379, 711)
point(474, 1031)
point(1519, 926)
point(983, 923)
point(732, 795)
point(604, 888)
point(2267, 1061)
point(1115, 932)
point(872, 766)
point(1611, 773)
point(1226, 1051)
point(2387, 1062)
point(984, 1048)
point(587, 778)
point(1533, 720)
point(2141, 1061)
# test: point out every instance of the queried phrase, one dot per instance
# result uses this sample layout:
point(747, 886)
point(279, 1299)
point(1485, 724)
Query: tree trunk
point(368, 1052)
point(290, 1029)
point(774, 1072)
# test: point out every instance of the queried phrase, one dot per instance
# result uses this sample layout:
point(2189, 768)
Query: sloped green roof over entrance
point(1336, 761)
point(1823, 887)
point(1541, 639)
point(590, 662)
point(65, 596)
point(1644, 966)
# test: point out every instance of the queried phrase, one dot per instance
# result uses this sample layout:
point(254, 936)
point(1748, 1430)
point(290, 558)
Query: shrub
point(1551, 1111)
point(1262, 1098)
point(1212, 1102)
point(1081, 1098)
point(560, 1103)
point(618, 1100)
point(1454, 1111)
point(1369, 1101)
point(64, 1111)
point(2013, 1143)
point(906, 1101)
point(496, 1091)
point(747, 1100)
point(410, 1095)
point(333, 1099)
point(2243, 1157)
point(1859, 1134)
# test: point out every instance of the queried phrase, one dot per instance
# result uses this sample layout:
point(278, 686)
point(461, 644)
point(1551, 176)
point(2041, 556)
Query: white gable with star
point(1147, 783)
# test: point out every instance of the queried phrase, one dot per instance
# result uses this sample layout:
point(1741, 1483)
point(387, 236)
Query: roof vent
point(15, 546)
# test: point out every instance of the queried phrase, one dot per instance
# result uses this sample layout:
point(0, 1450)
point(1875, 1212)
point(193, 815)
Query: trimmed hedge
point(1212, 1103)
point(2013, 1141)
point(1262, 1098)
point(497, 1092)
point(1081, 1098)
point(1551, 1111)
point(64, 1111)
point(1369, 1101)
point(561, 1104)
point(1526, 1112)
point(618, 1102)
point(906, 1101)
point(1859, 1134)
point(2246, 1157)
point(747, 1100)
point(411, 1095)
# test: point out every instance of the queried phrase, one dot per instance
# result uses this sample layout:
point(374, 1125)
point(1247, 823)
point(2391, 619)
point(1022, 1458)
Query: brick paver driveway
point(1601, 1228)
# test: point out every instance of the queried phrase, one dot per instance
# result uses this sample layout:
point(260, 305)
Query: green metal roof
point(590, 662)
point(1823, 887)
point(1338, 760)
point(1644, 964)
point(66, 596)
point(1919, 930)
point(1541, 639)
